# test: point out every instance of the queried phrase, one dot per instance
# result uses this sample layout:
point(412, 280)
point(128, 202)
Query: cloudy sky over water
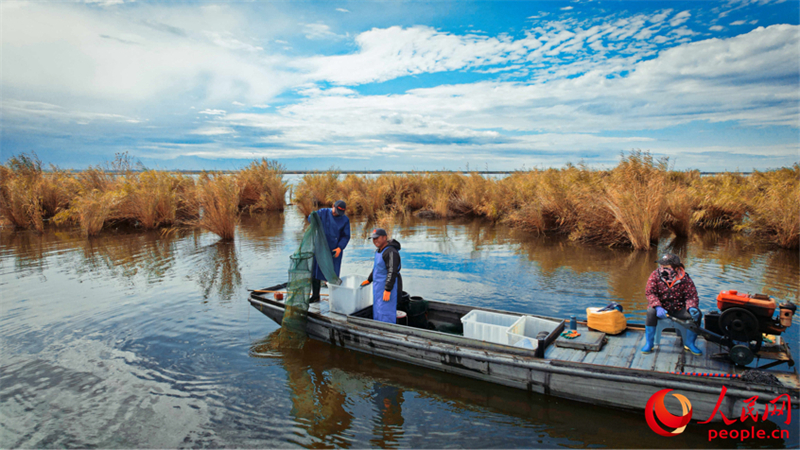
point(402, 85)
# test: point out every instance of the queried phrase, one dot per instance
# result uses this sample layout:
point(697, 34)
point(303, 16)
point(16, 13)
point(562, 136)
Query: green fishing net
point(314, 244)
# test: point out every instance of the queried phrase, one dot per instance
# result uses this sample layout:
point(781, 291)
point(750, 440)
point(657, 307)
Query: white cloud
point(312, 91)
point(319, 31)
point(680, 18)
point(567, 8)
point(107, 2)
point(715, 80)
point(683, 31)
point(88, 54)
point(660, 17)
point(738, 22)
point(388, 53)
point(212, 131)
point(36, 111)
point(557, 86)
point(227, 40)
point(342, 10)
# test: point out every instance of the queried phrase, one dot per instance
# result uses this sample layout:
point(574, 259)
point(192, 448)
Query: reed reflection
point(778, 268)
point(318, 394)
point(149, 254)
point(218, 271)
point(262, 231)
point(118, 255)
point(781, 275)
point(28, 249)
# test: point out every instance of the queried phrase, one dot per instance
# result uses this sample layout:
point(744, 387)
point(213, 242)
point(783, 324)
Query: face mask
point(667, 274)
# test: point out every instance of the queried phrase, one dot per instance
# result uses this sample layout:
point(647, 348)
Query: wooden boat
point(618, 375)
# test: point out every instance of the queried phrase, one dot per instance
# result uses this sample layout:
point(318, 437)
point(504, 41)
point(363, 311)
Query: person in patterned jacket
point(671, 291)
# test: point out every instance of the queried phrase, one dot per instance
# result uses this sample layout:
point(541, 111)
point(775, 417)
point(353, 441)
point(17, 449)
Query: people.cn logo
point(655, 408)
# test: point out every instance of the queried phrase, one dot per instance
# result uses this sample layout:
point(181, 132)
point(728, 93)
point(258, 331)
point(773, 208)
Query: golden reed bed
point(630, 204)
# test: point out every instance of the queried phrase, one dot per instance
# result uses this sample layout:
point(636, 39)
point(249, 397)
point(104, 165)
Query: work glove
point(336, 252)
point(695, 314)
point(365, 282)
point(661, 313)
point(387, 295)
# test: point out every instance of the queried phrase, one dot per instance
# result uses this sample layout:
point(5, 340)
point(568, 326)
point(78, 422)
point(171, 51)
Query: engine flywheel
point(741, 326)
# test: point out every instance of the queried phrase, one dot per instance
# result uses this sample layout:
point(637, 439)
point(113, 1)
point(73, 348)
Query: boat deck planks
point(705, 363)
point(565, 354)
point(616, 351)
point(669, 354)
point(624, 350)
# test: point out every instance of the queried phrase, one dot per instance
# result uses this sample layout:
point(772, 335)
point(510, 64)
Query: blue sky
point(402, 85)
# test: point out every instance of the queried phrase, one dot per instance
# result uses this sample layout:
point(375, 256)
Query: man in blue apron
point(385, 277)
point(336, 226)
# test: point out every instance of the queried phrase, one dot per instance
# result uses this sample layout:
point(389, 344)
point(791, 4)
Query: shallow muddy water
point(141, 340)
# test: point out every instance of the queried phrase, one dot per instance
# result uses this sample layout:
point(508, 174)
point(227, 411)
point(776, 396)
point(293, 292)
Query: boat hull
point(609, 386)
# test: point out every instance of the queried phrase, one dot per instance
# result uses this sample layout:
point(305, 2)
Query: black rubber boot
point(315, 287)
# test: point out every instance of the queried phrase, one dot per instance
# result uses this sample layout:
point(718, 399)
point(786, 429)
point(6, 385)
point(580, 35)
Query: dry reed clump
point(493, 199)
point(153, 199)
point(546, 201)
point(405, 193)
point(774, 209)
point(441, 193)
point(19, 199)
point(363, 195)
point(681, 202)
point(218, 201)
point(93, 202)
point(316, 190)
point(149, 199)
point(635, 195)
point(91, 210)
point(624, 206)
point(525, 208)
point(721, 201)
point(470, 194)
point(262, 186)
point(28, 195)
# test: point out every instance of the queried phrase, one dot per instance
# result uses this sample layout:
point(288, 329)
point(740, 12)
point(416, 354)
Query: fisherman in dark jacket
point(336, 226)
point(385, 276)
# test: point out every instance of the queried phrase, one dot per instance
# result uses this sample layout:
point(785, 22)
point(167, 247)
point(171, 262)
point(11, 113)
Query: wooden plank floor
point(624, 350)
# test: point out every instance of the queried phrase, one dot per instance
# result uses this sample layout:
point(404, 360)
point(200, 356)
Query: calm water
point(138, 340)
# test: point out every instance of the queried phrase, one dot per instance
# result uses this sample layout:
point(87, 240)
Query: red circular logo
point(655, 408)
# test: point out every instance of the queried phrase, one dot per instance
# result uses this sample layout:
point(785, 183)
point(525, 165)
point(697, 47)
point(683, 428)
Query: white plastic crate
point(349, 296)
point(526, 328)
point(487, 326)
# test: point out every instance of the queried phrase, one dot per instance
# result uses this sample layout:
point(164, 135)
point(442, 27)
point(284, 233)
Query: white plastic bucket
point(487, 326)
point(527, 327)
point(349, 297)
